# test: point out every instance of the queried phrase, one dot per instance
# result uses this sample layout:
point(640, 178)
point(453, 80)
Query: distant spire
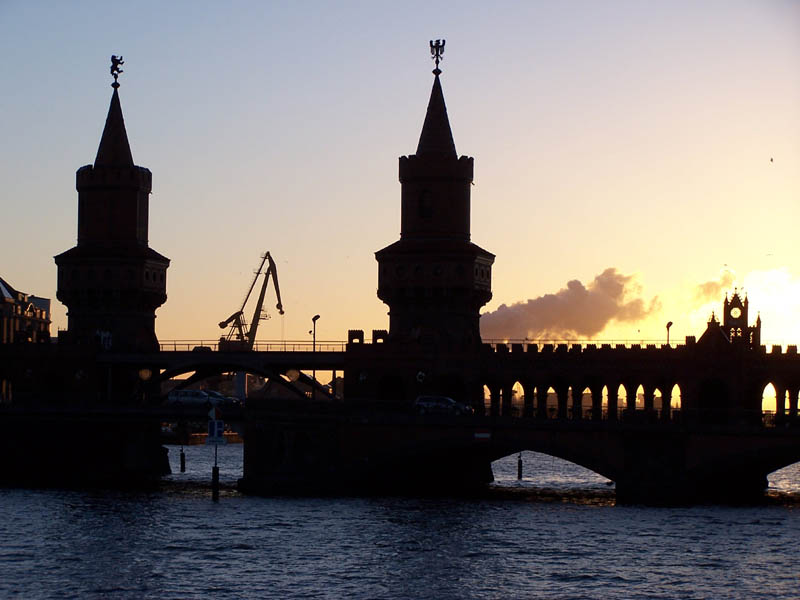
point(436, 137)
point(114, 149)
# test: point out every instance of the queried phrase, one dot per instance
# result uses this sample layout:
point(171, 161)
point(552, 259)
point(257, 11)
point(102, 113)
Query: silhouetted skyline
point(656, 141)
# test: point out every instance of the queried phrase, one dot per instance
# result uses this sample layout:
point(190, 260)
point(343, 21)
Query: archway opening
point(675, 400)
point(769, 400)
point(785, 480)
point(657, 401)
point(552, 403)
point(622, 398)
point(640, 398)
point(517, 399)
point(586, 403)
point(548, 474)
point(487, 400)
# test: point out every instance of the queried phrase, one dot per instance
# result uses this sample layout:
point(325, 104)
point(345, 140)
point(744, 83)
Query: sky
point(634, 161)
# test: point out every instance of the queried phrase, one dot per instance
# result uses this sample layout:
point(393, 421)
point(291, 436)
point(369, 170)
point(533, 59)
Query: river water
point(555, 534)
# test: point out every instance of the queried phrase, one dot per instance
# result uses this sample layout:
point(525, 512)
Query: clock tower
point(735, 323)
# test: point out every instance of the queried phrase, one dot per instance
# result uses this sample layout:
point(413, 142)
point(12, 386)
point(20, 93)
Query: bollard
point(183, 461)
point(519, 466)
point(215, 483)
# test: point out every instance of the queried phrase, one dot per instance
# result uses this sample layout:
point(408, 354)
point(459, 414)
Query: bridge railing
point(259, 346)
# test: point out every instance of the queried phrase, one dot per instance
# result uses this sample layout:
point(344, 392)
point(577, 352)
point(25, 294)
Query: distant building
point(24, 318)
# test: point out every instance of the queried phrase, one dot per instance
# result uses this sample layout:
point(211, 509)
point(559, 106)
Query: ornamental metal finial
point(115, 70)
point(437, 49)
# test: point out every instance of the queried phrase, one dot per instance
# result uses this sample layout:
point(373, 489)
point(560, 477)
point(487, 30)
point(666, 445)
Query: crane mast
point(240, 336)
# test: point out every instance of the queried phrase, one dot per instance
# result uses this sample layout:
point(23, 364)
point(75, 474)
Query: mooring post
point(519, 466)
point(215, 478)
point(183, 461)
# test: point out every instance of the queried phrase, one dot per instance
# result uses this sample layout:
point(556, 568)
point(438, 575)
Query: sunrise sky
point(647, 153)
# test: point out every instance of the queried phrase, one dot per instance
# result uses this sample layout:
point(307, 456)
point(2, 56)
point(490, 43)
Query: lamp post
point(669, 324)
point(314, 320)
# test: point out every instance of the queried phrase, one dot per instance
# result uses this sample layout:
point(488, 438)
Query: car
point(207, 398)
point(441, 405)
point(221, 400)
point(188, 398)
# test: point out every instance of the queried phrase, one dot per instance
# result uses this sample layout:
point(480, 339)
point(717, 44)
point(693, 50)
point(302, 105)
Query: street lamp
point(314, 320)
point(669, 324)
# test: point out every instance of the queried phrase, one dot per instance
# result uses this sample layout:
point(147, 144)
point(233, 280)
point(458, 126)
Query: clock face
point(736, 312)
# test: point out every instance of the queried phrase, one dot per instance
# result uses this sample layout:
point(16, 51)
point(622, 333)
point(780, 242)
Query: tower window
point(424, 205)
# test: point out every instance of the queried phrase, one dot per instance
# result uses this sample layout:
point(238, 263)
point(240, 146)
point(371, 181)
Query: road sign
point(216, 432)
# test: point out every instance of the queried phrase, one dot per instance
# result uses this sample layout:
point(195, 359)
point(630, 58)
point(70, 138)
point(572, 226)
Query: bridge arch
point(552, 402)
point(769, 399)
point(585, 405)
point(546, 471)
point(517, 399)
point(638, 398)
point(622, 397)
point(675, 401)
point(202, 370)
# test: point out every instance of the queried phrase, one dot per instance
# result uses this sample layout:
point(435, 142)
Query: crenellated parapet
point(436, 168)
point(126, 177)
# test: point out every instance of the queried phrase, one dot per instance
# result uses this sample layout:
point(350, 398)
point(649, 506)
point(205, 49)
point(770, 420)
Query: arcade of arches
point(545, 401)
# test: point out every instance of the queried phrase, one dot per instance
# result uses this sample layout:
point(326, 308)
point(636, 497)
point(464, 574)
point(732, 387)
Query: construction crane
point(240, 336)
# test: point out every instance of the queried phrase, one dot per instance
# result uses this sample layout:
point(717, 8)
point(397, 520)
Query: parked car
point(441, 405)
point(188, 398)
point(207, 398)
point(223, 401)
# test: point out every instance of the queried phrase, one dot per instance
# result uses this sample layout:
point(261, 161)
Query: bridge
point(575, 401)
point(598, 405)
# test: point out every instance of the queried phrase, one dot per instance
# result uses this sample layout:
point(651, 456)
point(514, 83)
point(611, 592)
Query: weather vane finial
point(437, 49)
point(115, 70)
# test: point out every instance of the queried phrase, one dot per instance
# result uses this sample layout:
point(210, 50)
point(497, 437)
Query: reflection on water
point(177, 543)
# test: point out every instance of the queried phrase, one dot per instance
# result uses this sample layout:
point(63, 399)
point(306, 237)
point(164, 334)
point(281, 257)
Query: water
point(556, 534)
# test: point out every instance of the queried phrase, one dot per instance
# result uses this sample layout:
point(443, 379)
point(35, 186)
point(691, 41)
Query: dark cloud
point(577, 311)
point(712, 290)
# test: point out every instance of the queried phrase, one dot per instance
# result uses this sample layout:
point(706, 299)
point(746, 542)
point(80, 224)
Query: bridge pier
point(528, 389)
point(597, 402)
point(780, 403)
point(361, 454)
point(508, 396)
point(577, 403)
point(613, 401)
point(666, 404)
point(494, 393)
point(541, 401)
point(561, 392)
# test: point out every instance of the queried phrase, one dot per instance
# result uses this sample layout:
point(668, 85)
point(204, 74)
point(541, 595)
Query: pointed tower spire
point(114, 149)
point(436, 137)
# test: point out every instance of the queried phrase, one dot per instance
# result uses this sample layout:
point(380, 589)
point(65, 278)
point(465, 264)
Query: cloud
point(712, 290)
point(577, 311)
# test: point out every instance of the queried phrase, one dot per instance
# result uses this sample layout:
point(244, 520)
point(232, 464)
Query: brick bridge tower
point(434, 279)
point(112, 282)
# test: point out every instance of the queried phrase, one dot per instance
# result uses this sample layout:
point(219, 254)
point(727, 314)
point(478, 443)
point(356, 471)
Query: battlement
point(135, 178)
point(428, 167)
